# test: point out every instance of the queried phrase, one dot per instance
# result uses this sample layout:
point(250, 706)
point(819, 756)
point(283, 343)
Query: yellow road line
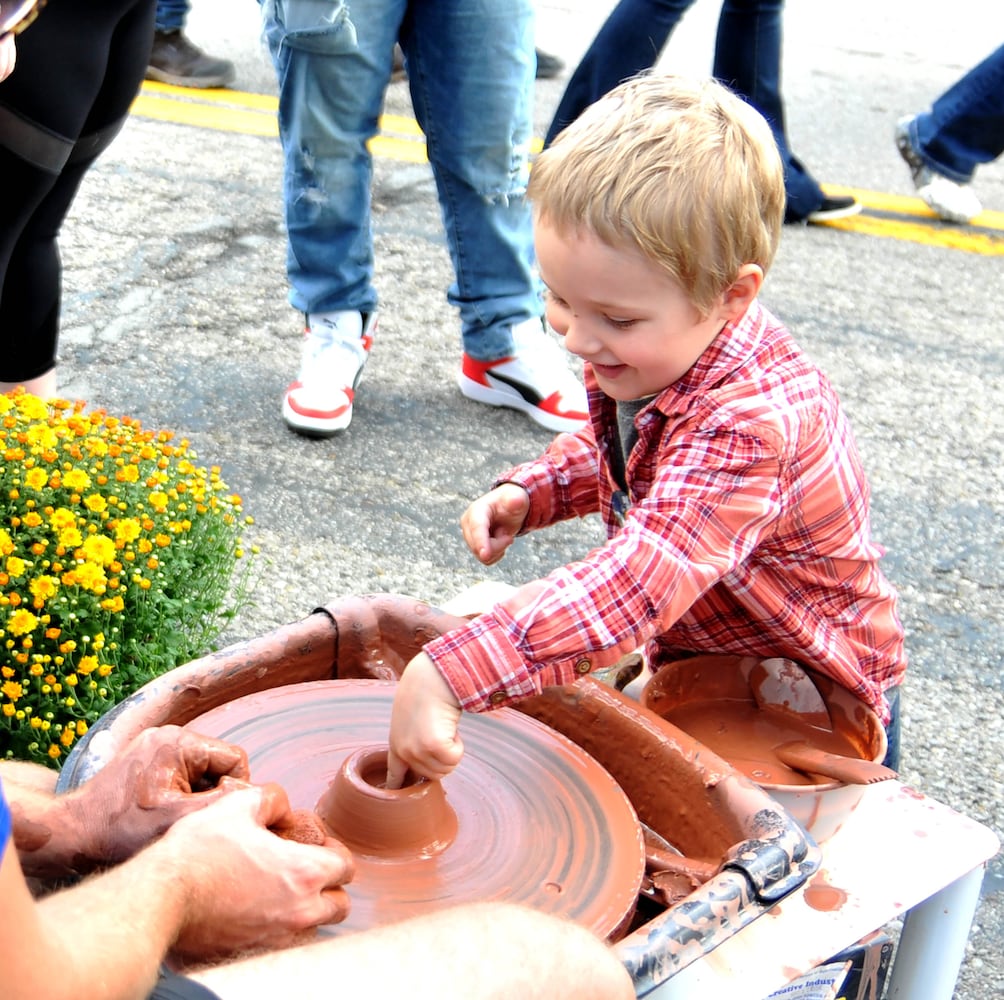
point(888, 216)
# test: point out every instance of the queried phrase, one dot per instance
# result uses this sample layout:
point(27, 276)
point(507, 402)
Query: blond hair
point(682, 170)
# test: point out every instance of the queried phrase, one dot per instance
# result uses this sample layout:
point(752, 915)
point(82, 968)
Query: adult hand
point(165, 773)
point(8, 55)
point(423, 725)
point(492, 522)
point(246, 887)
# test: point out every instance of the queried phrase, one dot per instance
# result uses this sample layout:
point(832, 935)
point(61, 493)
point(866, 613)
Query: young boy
point(725, 470)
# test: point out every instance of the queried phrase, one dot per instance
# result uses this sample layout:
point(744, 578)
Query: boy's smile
point(617, 310)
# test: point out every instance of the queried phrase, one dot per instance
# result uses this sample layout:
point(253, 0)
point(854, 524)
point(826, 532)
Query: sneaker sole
point(315, 427)
point(191, 82)
point(496, 397)
point(835, 213)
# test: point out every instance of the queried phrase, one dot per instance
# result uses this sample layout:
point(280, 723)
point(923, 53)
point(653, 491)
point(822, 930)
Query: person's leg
point(893, 729)
point(629, 41)
point(965, 126)
point(471, 72)
point(54, 134)
point(172, 14)
point(748, 49)
point(175, 59)
point(332, 74)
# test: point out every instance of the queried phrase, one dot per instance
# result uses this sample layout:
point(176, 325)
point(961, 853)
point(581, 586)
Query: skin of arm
point(217, 881)
point(482, 951)
point(424, 718)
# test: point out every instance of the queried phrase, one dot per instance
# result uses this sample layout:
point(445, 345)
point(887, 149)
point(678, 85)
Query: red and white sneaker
point(335, 351)
point(535, 378)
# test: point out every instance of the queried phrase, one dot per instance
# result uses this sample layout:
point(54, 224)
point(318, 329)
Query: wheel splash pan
point(680, 790)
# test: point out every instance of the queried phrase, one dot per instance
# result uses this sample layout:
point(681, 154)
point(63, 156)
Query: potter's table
point(898, 853)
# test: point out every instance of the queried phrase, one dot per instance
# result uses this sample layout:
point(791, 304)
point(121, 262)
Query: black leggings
point(78, 68)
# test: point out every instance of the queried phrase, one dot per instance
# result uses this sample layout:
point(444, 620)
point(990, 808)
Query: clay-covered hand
point(492, 522)
point(423, 725)
point(165, 773)
point(246, 887)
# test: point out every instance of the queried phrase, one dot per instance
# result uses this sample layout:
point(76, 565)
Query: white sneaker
point(535, 378)
point(949, 200)
point(335, 351)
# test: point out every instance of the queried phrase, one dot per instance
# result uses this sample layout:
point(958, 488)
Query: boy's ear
point(737, 297)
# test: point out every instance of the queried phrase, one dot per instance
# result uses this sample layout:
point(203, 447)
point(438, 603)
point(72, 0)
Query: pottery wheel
point(539, 821)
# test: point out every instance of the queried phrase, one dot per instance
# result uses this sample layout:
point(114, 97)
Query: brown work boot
point(174, 59)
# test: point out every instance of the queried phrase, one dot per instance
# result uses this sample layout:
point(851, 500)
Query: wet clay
point(822, 896)
point(537, 820)
point(713, 699)
point(746, 736)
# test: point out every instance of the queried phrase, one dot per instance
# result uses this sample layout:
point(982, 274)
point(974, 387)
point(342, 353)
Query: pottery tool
point(852, 770)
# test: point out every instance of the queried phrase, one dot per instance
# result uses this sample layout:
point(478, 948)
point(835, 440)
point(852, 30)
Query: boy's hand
point(423, 725)
point(492, 522)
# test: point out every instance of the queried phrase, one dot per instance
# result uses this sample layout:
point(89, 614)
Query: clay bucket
point(821, 806)
point(682, 791)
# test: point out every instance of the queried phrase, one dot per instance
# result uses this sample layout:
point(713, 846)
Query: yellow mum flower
point(76, 479)
point(70, 538)
point(36, 478)
point(32, 519)
point(127, 529)
point(6, 542)
point(87, 664)
point(95, 502)
point(12, 689)
point(90, 576)
point(113, 604)
point(9, 708)
point(21, 622)
point(158, 499)
point(99, 549)
point(43, 587)
point(15, 566)
point(61, 518)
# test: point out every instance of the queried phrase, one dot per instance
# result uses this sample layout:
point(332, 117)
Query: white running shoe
point(949, 200)
point(535, 378)
point(335, 351)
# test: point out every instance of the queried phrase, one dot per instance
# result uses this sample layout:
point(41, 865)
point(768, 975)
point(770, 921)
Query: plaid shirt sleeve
point(695, 526)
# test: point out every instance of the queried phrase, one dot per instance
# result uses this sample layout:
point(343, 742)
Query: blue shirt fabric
point(4, 823)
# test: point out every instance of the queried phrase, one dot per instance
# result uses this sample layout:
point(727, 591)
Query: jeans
point(471, 67)
point(965, 126)
point(747, 58)
point(172, 14)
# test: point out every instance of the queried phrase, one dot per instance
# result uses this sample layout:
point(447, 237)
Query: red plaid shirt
point(748, 533)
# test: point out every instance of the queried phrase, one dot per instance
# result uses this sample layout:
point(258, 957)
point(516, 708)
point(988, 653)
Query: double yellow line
point(885, 215)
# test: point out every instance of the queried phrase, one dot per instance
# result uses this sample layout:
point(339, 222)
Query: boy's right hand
point(493, 521)
point(247, 887)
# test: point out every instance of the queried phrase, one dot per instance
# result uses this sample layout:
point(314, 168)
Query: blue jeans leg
point(330, 95)
point(748, 58)
point(172, 14)
point(965, 126)
point(471, 67)
point(630, 41)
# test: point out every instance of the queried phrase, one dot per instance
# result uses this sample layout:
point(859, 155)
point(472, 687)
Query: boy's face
point(618, 311)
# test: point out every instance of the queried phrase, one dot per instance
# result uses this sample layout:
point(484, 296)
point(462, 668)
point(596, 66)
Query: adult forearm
point(112, 930)
point(52, 833)
point(485, 951)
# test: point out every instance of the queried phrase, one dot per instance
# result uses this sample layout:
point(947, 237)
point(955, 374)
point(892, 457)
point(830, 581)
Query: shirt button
point(497, 697)
point(583, 666)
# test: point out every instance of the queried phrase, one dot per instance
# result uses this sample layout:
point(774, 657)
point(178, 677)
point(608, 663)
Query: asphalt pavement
point(176, 313)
